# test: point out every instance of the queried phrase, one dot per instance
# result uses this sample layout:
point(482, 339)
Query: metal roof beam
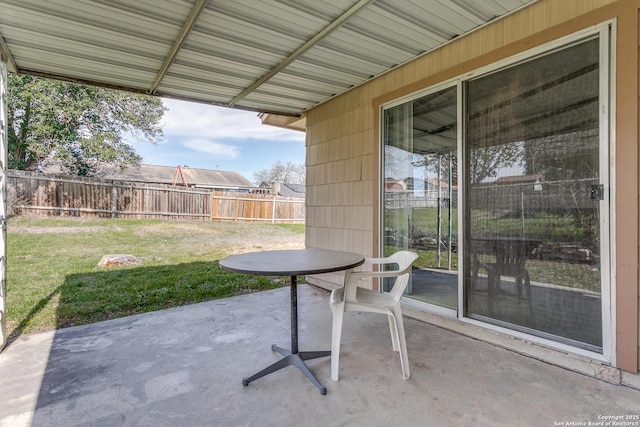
point(306, 46)
point(196, 11)
point(6, 53)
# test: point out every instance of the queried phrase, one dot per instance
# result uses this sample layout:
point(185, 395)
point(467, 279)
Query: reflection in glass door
point(531, 249)
point(420, 192)
point(533, 197)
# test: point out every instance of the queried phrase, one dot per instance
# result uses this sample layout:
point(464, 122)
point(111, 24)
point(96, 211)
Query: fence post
point(59, 189)
point(273, 212)
point(212, 201)
point(237, 207)
point(114, 200)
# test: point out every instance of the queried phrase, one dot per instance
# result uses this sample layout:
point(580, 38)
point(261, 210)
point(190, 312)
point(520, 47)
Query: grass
point(53, 278)
point(545, 226)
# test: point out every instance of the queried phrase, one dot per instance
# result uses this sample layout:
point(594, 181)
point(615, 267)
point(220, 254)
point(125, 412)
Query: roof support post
point(5, 54)
point(3, 201)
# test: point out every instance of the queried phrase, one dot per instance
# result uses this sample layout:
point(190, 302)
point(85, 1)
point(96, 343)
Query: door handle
point(597, 192)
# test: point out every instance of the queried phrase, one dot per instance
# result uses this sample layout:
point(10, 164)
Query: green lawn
point(547, 227)
point(54, 281)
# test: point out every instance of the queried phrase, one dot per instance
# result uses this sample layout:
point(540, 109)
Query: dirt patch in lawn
point(238, 237)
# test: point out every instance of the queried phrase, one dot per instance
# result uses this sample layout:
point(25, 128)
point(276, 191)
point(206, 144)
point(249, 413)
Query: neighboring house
point(183, 176)
point(418, 193)
point(519, 179)
point(283, 189)
point(546, 87)
point(395, 185)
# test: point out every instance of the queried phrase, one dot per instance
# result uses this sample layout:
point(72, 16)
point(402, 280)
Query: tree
point(78, 125)
point(281, 172)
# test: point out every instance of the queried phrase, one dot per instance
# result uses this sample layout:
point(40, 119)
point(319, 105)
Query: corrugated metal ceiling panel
point(90, 41)
point(276, 56)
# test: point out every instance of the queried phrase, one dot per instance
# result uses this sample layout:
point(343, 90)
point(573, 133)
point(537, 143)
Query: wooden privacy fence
point(37, 194)
point(257, 207)
point(31, 193)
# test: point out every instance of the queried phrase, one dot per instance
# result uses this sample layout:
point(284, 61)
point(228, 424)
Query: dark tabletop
point(291, 262)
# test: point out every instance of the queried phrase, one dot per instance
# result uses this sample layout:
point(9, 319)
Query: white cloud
point(190, 119)
point(225, 151)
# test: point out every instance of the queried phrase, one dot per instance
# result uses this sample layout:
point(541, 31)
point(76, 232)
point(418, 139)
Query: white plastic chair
point(367, 300)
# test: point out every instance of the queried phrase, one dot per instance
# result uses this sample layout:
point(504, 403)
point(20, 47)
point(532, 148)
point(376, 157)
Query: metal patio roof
point(272, 56)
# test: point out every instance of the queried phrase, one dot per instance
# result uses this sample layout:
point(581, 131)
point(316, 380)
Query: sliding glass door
point(531, 250)
point(421, 192)
point(533, 196)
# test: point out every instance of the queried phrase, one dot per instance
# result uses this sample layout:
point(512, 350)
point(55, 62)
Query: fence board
point(227, 206)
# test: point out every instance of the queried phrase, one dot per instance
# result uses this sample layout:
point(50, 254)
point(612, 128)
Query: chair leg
point(404, 359)
point(491, 289)
point(336, 336)
point(527, 284)
point(394, 333)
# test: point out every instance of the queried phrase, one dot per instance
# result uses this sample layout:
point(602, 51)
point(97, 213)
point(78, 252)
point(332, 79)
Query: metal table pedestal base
point(292, 263)
point(295, 359)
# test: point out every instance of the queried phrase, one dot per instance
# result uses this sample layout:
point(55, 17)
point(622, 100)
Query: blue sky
point(208, 137)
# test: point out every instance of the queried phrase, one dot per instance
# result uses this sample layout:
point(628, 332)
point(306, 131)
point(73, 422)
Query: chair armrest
point(353, 277)
point(351, 280)
point(369, 260)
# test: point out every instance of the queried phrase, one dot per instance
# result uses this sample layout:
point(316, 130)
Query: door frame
point(606, 32)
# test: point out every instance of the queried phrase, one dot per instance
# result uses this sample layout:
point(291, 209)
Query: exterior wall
point(341, 170)
point(343, 140)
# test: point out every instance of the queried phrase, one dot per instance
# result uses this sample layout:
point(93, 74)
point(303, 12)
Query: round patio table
point(292, 263)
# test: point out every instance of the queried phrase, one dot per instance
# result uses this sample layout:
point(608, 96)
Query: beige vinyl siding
point(340, 169)
point(343, 139)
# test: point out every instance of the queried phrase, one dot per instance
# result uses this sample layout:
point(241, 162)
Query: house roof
point(276, 57)
point(292, 190)
point(519, 179)
point(285, 189)
point(194, 177)
point(442, 183)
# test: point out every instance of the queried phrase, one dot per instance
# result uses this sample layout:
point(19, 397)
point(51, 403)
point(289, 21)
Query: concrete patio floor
point(184, 367)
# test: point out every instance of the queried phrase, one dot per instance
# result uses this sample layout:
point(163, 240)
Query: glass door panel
point(532, 197)
point(420, 192)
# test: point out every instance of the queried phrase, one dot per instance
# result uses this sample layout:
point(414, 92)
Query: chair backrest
point(404, 260)
point(511, 257)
